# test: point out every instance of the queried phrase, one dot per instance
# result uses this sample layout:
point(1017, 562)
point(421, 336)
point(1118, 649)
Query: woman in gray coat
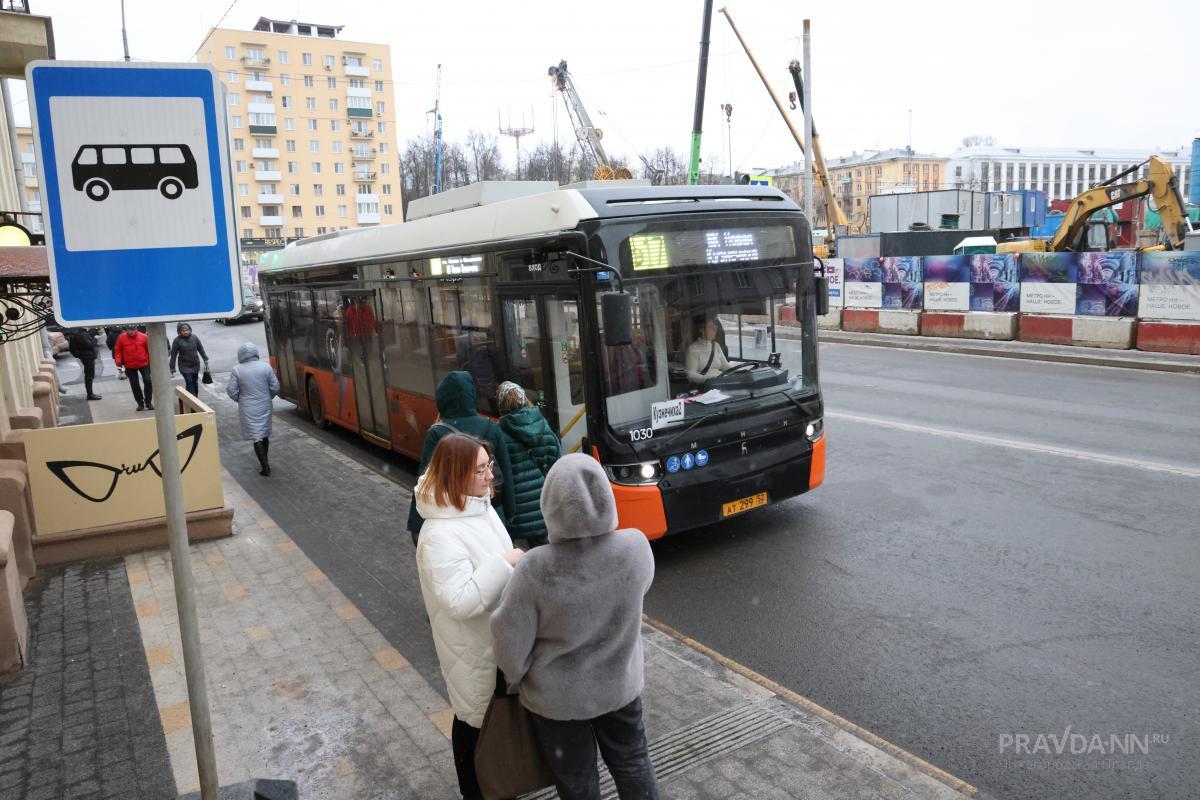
point(252, 384)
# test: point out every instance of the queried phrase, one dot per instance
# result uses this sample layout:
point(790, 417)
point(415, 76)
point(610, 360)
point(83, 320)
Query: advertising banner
point(863, 283)
point(995, 282)
point(902, 285)
point(835, 277)
point(1107, 284)
point(1170, 283)
point(1048, 283)
point(947, 283)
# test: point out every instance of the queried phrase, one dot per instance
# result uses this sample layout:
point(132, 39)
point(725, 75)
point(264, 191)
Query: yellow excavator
point(1160, 184)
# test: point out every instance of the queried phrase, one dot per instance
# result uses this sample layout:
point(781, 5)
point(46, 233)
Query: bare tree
point(484, 153)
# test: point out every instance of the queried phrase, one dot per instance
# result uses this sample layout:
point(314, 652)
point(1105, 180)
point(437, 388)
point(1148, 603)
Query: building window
point(335, 125)
point(339, 168)
point(308, 81)
point(294, 189)
point(342, 212)
point(299, 232)
point(379, 86)
point(297, 212)
point(337, 147)
point(254, 54)
point(383, 127)
point(233, 76)
point(331, 82)
point(879, 170)
point(272, 233)
point(240, 166)
point(319, 211)
point(385, 168)
point(384, 148)
point(340, 190)
point(262, 119)
point(239, 145)
point(379, 108)
point(286, 101)
point(318, 189)
point(244, 189)
point(312, 124)
point(329, 62)
point(333, 104)
point(306, 59)
point(293, 167)
point(246, 212)
point(387, 188)
point(387, 209)
point(316, 167)
point(314, 145)
point(266, 188)
point(356, 83)
point(289, 124)
point(285, 80)
point(235, 99)
point(322, 230)
point(935, 169)
point(235, 122)
point(283, 57)
point(377, 64)
point(310, 103)
point(291, 145)
point(230, 53)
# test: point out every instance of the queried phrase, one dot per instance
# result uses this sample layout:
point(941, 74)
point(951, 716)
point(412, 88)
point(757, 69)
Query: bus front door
point(363, 330)
point(280, 330)
point(542, 349)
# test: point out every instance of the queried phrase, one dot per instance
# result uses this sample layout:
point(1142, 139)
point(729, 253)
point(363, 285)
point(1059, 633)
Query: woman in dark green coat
point(533, 447)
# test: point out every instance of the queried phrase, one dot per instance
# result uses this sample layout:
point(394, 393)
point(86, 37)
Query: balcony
point(251, 62)
point(265, 152)
point(356, 71)
point(263, 130)
point(361, 134)
point(367, 219)
point(259, 86)
point(363, 155)
point(365, 177)
point(31, 181)
point(358, 112)
point(270, 199)
point(366, 198)
point(268, 175)
point(24, 37)
point(270, 222)
point(35, 206)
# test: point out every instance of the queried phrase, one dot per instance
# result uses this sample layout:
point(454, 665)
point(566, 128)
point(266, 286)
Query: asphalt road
point(1002, 550)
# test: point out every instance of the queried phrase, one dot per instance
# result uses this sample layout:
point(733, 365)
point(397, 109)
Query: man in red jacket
point(132, 352)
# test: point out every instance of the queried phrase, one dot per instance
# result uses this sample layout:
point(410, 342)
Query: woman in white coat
point(464, 559)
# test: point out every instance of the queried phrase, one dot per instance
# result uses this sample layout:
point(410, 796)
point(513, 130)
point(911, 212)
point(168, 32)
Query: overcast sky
point(1044, 73)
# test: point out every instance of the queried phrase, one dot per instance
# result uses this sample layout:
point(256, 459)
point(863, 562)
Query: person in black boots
point(252, 384)
point(82, 345)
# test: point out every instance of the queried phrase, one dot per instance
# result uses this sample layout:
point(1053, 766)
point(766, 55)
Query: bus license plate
point(745, 504)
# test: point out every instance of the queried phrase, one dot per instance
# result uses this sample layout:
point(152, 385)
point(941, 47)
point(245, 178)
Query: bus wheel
point(96, 189)
point(316, 410)
point(170, 188)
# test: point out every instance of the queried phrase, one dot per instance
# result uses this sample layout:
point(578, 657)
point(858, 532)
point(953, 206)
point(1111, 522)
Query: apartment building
point(858, 176)
point(312, 131)
point(27, 180)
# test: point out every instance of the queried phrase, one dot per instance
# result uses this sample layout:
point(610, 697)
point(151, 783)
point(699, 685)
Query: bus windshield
point(716, 323)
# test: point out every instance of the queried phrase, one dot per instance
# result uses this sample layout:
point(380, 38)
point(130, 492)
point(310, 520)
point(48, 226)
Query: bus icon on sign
point(100, 169)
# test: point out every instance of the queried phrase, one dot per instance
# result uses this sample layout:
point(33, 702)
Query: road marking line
point(914, 761)
point(1017, 444)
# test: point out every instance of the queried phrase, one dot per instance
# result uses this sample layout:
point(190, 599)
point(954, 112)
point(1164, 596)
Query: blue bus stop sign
point(138, 213)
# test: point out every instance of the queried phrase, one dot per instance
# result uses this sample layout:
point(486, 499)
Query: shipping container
point(925, 243)
point(1012, 211)
point(864, 245)
point(957, 202)
point(1033, 208)
point(884, 212)
point(993, 211)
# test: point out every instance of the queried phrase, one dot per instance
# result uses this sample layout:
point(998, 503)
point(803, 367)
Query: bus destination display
point(651, 251)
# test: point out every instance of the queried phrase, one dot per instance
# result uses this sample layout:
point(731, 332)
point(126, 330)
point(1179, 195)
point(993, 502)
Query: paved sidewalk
point(1066, 354)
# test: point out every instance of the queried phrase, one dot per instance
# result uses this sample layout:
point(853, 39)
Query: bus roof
point(518, 218)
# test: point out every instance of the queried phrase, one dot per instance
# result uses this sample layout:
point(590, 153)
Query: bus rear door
point(363, 329)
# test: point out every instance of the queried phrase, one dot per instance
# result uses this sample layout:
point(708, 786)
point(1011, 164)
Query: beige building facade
point(860, 175)
point(312, 131)
point(27, 180)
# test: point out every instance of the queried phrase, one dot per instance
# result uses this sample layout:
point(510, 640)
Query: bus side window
point(87, 156)
point(300, 311)
point(405, 347)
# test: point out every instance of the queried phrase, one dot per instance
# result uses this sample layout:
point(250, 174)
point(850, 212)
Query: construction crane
point(437, 122)
point(589, 135)
point(1160, 184)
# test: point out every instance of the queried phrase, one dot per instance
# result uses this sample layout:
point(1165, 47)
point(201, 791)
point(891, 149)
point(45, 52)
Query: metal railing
point(15, 6)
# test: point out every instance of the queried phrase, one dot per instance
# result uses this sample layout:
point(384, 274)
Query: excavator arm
point(1160, 184)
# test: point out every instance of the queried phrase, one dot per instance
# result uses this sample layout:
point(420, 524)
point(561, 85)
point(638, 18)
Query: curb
point(921, 343)
point(899, 753)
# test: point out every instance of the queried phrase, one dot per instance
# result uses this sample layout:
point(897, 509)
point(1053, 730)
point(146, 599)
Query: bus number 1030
point(641, 434)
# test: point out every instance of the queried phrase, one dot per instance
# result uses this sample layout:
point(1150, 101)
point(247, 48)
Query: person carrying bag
point(508, 762)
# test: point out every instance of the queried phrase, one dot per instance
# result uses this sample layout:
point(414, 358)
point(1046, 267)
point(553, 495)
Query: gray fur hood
point(247, 352)
point(577, 499)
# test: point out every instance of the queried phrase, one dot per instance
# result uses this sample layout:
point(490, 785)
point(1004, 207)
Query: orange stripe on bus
point(641, 507)
point(816, 472)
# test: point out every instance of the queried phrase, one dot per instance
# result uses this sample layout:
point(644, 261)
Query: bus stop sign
point(139, 220)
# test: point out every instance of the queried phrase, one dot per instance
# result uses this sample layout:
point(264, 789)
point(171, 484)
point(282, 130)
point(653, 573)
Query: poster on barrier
point(947, 283)
point(1107, 284)
point(902, 285)
point(863, 281)
point(1170, 283)
point(996, 282)
point(835, 278)
point(1048, 283)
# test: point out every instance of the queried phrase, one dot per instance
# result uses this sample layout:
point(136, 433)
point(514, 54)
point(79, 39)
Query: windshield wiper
point(659, 446)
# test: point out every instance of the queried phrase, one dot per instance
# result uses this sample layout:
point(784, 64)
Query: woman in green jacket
point(533, 447)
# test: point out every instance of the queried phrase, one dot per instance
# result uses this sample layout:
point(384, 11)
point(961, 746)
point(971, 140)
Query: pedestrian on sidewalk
point(111, 334)
point(252, 384)
point(458, 412)
point(81, 343)
point(132, 352)
point(464, 560)
point(533, 447)
point(189, 350)
point(568, 635)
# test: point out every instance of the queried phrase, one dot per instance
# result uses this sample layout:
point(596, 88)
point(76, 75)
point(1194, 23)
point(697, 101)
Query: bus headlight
point(646, 473)
point(815, 430)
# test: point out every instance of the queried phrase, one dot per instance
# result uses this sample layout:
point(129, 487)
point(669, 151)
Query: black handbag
point(206, 378)
point(508, 762)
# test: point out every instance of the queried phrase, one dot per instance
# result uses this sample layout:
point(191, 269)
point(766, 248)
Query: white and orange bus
point(363, 324)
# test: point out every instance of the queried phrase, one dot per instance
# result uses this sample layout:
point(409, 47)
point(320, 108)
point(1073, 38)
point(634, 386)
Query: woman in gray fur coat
point(568, 633)
point(252, 384)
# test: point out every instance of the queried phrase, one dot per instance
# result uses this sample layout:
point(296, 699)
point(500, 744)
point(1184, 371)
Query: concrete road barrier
point(1116, 333)
point(831, 321)
point(1000, 326)
point(865, 320)
point(1169, 337)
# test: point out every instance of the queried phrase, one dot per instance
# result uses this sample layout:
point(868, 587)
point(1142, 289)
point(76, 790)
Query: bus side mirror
point(616, 308)
point(821, 288)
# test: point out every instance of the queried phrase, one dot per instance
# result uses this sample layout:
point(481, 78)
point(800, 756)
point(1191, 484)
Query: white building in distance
point(1060, 172)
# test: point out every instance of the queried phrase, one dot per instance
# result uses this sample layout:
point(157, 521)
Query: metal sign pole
point(808, 128)
point(185, 595)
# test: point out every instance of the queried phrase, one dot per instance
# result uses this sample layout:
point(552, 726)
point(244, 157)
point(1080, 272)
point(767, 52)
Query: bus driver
point(705, 358)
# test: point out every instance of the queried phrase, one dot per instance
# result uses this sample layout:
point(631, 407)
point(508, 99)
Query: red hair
point(451, 470)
